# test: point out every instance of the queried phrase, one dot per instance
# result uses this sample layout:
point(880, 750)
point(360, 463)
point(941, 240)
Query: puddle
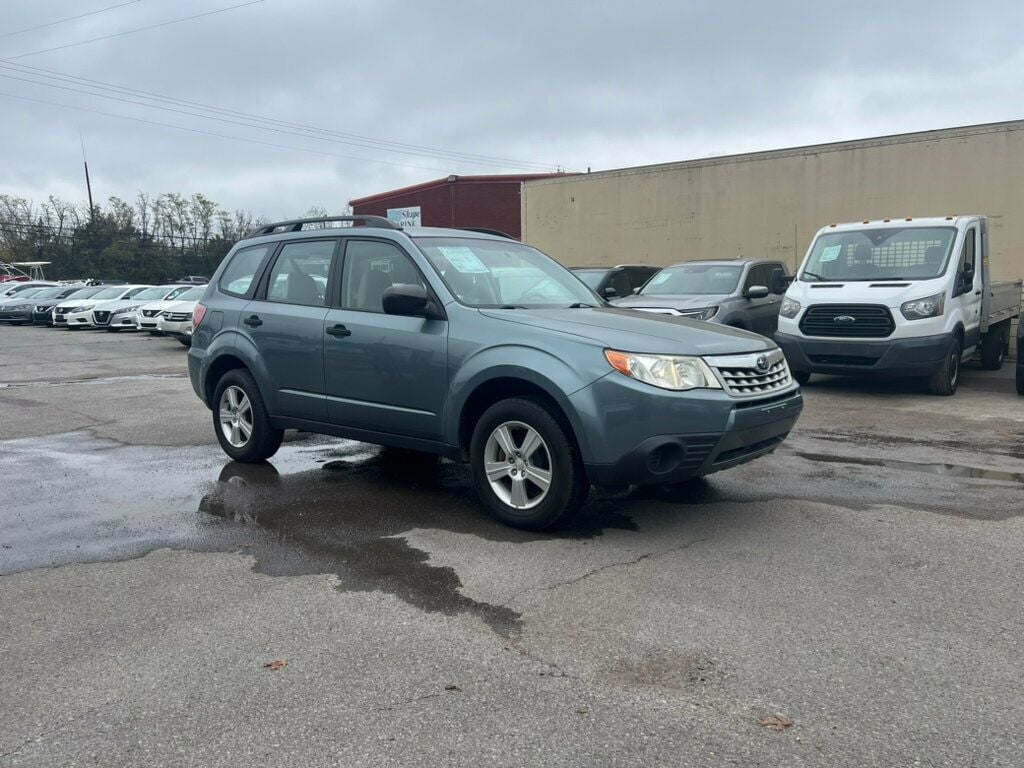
point(321, 506)
point(946, 470)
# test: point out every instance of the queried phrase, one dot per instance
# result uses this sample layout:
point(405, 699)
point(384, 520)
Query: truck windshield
point(699, 279)
point(896, 253)
point(592, 277)
point(503, 273)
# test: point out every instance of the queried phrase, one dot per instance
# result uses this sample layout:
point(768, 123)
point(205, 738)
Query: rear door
point(285, 320)
point(384, 373)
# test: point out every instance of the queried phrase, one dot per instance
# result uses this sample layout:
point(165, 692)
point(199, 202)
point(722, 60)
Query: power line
point(345, 138)
point(243, 123)
point(137, 29)
point(220, 135)
point(69, 18)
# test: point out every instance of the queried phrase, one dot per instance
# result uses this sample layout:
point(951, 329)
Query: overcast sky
point(587, 83)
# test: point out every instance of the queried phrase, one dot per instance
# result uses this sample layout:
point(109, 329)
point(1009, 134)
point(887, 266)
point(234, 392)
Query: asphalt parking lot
point(854, 599)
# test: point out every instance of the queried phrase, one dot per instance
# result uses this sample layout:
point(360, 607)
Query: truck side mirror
point(609, 292)
point(756, 292)
point(968, 273)
point(779, 283)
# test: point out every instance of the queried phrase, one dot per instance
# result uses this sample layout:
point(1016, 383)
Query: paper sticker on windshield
point(831, 253)
point(463, 259)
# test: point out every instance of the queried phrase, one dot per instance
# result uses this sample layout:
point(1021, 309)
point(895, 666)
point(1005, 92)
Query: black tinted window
point(238, 277)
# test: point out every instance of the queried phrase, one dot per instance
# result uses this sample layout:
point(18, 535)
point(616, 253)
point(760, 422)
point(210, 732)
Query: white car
point(59, 311)
point(176, 320)
point(148, 314)
point(94, 312)
point(11, 288)
point(124, 313)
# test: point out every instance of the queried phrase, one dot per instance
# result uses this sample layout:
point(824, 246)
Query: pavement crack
point(602, 568)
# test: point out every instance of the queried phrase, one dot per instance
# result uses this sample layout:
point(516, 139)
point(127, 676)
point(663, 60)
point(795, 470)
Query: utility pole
point(85, 163)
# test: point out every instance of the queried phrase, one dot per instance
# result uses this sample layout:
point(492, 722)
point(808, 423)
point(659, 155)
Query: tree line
point(148, 240)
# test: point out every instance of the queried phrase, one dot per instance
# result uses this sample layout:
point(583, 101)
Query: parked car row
point(158, 309)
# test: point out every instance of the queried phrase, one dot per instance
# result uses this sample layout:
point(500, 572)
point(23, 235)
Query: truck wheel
point(526, 467)
point(802, 377)
point(945, 379)
point(241, 421)
point(993, 349)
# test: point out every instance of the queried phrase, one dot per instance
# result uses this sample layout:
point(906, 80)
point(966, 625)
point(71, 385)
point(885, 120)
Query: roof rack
point(296, 225)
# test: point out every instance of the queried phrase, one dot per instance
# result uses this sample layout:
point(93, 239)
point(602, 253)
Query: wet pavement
point(864, 581)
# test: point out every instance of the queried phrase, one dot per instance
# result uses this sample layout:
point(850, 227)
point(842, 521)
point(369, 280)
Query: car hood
point(638, 332)
point(180, 306)
point(675, 301)
point(12, 303)
point(891, 293)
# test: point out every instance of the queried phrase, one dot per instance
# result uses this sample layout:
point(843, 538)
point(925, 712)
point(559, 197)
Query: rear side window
point(240, 273)
point(300, 273)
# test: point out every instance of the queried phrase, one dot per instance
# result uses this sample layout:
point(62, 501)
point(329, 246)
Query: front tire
point(526, 466)
point(241, 421)
point(946, 378)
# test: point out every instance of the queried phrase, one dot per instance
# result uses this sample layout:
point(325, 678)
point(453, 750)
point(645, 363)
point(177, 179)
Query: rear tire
point(238, 408)
point(537, 478)
point(802, 377)
point(946, 378)
point(993, 349)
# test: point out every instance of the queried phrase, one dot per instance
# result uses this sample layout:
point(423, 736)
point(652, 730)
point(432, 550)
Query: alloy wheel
point(235, 416)
point(518, 465)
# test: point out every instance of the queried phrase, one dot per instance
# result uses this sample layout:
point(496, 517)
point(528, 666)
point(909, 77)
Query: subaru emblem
point(762, 363)
point(844, 319)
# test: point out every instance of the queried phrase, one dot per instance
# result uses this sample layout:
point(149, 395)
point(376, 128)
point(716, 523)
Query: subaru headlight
point(790, 307)
point(664, 371)
point(929, 306)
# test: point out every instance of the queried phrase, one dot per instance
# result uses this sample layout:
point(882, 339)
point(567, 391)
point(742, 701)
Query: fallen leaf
point(276, 664)
point(777, 722)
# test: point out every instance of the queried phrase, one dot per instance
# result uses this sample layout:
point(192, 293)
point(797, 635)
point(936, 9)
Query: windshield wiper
point(581, 305)
point(805, 273)
point(511, 306)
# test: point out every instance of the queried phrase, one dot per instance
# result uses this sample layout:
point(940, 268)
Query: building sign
point(405, 217)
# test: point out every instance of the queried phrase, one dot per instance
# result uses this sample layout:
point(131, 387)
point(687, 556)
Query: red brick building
point(491, 202)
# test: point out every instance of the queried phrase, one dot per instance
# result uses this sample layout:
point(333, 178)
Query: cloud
point(600, 84)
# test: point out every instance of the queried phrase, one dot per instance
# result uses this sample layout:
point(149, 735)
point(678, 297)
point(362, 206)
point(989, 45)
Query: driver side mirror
point(756, 292)
point(408, 300)
point(609, 292)
point(779, 282)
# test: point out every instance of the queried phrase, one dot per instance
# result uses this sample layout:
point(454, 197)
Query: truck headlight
point(929, 306)
point(665, 371)
point(790, 308)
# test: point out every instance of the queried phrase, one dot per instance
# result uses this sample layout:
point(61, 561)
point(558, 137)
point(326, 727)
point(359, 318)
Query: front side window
point(238, 276)
point(503, 273)
point(696, 279)
point(300, 273)
point(592, 277)
point(969, 258)
point(371, 267)
point(893, 253)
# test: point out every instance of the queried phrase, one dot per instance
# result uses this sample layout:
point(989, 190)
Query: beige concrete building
point(772, 203)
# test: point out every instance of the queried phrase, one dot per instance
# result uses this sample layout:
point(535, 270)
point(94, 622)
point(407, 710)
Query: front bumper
point(17, 316)
point(181, 329)
point(126, 321)
point(79, 319)
point(635, 434)
point(885, 357)
point(42, 318)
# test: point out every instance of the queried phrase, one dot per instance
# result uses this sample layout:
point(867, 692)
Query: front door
point(384, 373)
point(762, 313)
point(285, 320)
point(968, 293)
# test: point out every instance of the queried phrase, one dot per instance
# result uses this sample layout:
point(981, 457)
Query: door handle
point(339, 330)
point(977, 293)
point(253, 321)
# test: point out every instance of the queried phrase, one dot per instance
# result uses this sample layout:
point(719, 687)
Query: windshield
point(896, 253)
point(157, 292)
point(592, 277)
point(699, 279)
point(49, 293)
point(30, 293)
point(192, 294)
point(85, 293)
point(110, 293)
point(503, 273)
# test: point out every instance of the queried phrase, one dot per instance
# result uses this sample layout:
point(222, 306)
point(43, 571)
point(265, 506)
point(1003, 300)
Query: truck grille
point(752, 375)
point(861, 321)
point(101, 318)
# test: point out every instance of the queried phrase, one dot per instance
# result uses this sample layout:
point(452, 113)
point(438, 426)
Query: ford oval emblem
point(844, 319)
point(762, 363)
